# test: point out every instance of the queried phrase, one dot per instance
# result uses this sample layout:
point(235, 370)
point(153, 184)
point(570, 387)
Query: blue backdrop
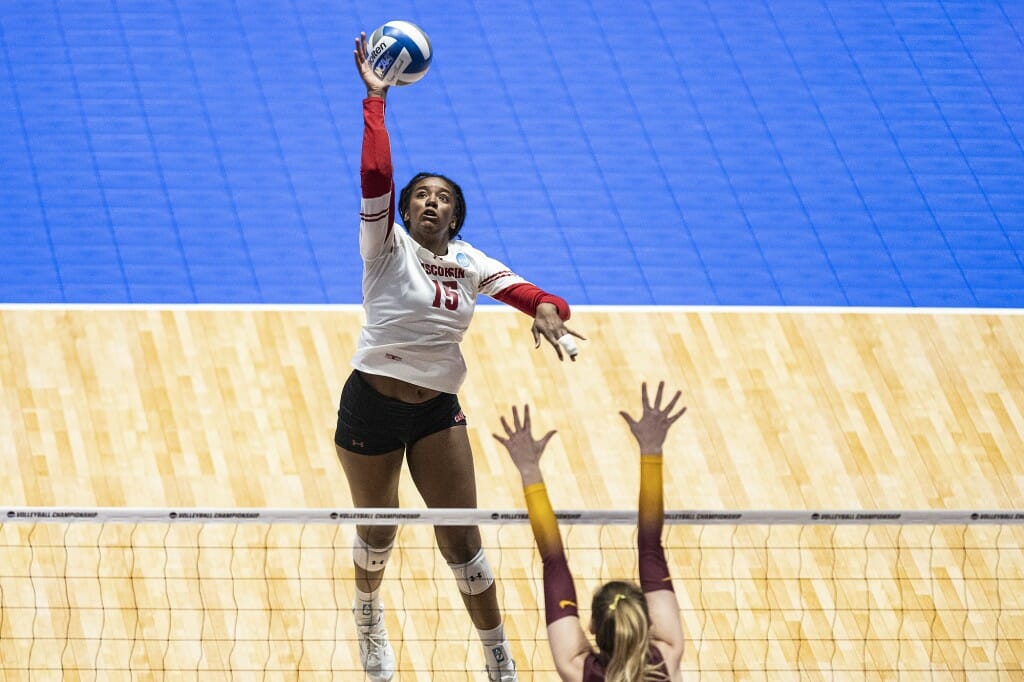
point(794, 152)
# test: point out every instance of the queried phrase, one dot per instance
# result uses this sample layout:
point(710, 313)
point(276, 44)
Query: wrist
point(547, 308)
point(530, 475)
point(379, 93)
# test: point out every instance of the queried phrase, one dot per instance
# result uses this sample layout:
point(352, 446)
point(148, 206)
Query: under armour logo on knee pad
point(474, 576)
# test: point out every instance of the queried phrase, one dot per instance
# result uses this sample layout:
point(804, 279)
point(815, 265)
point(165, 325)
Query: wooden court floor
point(788, 409)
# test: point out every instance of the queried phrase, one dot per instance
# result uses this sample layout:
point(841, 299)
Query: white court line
point(492, 308)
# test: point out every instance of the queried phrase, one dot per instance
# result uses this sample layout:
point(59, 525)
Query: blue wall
point(798, 152)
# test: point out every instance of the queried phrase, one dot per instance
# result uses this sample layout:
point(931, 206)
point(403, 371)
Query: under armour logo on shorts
point(460, 417)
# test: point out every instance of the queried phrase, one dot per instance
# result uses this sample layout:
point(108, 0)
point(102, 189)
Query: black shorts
point(372, 424)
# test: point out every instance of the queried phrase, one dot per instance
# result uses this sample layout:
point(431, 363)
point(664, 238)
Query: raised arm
point(650, 431)
point(569, 645)
point(377, 211)
point(549, 312)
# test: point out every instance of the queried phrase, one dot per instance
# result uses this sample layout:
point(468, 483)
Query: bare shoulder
point(569, 648)
point(666, 627)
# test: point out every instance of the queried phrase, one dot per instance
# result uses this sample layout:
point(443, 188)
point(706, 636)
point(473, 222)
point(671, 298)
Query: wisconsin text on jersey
point(442, 270)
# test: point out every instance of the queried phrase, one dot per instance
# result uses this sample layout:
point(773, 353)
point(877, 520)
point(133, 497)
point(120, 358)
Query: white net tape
point(228, 593)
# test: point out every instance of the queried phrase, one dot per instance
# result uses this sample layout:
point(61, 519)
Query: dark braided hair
point(460, 203)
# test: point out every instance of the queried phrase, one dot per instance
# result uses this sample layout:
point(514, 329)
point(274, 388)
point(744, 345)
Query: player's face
point(431, 207)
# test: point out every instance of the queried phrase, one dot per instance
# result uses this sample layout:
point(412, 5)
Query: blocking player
point(637, 628)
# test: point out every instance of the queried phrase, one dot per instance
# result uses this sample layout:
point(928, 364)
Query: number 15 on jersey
point(449, 293)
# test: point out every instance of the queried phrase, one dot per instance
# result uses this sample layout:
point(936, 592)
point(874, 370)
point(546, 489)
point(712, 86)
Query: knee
point(474, 576)
point(369, 556)
point(377, 536)
point(458, 544)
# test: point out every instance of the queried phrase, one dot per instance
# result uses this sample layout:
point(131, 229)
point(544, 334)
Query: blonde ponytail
point(622, 627)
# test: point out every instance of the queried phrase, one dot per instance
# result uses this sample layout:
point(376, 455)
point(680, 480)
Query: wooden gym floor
point(788, 409)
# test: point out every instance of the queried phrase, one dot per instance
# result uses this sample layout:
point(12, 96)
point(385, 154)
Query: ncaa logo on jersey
point(462, 259)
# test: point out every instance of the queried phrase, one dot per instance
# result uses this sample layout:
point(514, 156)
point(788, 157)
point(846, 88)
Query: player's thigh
point(441, 466)
point(372, 479)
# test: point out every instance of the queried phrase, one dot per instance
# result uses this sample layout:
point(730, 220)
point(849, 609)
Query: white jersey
point(418, 305)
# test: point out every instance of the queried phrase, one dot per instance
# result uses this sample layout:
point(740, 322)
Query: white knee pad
point(370, 558)
point(474, 576)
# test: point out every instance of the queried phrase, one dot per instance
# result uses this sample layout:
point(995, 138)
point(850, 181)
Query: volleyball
point(399, 52)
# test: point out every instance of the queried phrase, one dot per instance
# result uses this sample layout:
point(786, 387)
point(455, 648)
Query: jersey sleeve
point(525, 297)
point(559, 590)
point(654, 574)
point(377, 209)
point(501, 284)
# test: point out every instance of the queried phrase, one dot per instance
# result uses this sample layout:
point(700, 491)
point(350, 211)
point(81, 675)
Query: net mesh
point(760, 599)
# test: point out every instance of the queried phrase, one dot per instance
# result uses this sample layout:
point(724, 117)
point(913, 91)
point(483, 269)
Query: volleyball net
point(243, 594)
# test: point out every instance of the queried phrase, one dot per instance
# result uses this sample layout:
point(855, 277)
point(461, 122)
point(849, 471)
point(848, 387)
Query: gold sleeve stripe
point(542, 519)
point(651, 495)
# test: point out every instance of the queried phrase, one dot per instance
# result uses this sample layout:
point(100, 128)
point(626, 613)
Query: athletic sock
point(496, 649)
point(368, 608)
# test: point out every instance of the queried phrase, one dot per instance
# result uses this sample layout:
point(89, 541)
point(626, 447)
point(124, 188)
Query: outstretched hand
point(375, 87)
point(548, 324)
point(652, 427)
point(522, 448)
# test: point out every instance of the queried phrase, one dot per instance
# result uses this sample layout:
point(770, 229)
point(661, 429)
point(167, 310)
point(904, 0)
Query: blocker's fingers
point(547, 436)
point(508, 431)
point(657, 398)
point(672, 403)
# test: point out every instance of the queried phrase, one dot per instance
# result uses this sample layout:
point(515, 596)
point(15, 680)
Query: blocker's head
point(619, 615)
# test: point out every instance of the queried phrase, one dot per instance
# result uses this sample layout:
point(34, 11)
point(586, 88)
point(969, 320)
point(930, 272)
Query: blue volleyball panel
point(825, 152)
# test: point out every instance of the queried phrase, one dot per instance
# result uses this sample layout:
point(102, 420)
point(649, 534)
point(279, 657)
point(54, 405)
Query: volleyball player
point(637, 628)
point(419, 292)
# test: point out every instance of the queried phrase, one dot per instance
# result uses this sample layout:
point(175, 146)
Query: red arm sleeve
point(525, 297)
point(559, 590)
point(375, 172)
point(654, 573)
